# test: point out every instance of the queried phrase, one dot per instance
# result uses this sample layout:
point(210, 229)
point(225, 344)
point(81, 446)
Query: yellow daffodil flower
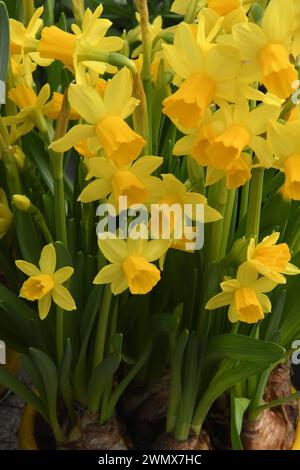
point(284, 142)
point(266, 49)
point(106, 117)
point(224, 136)
point(222, 7)
point(133, 181)
point(53, 108)
point(271, 260)
point(22, 69)
point(226, 22)
point(30, 106)
point(85, 44)
point(135, 34)
point(23, 40)
point(245, 296)
point(5, 214)
point(132, 264)
point(199, 67)
point(171, 191)
point(45, 284)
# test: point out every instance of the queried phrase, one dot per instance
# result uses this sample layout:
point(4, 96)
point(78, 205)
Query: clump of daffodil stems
point(199, 113)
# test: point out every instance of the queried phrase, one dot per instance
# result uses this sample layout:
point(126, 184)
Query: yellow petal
point(87, 103)
point(118, 92)
point(155, 249)
point(146, 165)
point(47, 261)
point(95, 191)
point(44, 305)
point(219, 300)
point(247, 274)
point(264, 284)
point(265, 303)
point(43, 96)
point(114, 250)
point(278, 20)
point(101, 167)
point(27, 268)
point(75, 135)
point(108, 274)
point(63, 274)
point(62, 297)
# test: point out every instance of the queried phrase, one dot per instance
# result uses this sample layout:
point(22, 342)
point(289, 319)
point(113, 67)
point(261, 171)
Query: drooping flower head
point(245, 296)
point(105, 116)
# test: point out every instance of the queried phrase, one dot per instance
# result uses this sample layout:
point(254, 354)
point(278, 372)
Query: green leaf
point(100, 378)
point(274, 320)
point(189, 389)
point(162, 324)
point(34, 374)
point(65, 377)
point(4, 41)
point(238, 409)
point(119, 390)
point(227, 376)
point(243, 348)
point(176, 380)
point(48, 373)
point(35, 150)
point(87, 323)
point(12, 383)
point(48, 15)
point(28, 239)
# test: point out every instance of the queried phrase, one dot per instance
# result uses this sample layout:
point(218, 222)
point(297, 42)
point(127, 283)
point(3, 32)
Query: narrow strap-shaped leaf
point(48, 373)
point(119, 390)
point(222, 381)
point(12, 383)
point(176, 380)
point(238, 409)
point(65, 377)
point(100, 378)
point(4, 50)
point(243, 348)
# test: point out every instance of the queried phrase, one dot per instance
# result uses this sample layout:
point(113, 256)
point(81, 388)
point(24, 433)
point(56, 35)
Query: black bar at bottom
point(134, 459)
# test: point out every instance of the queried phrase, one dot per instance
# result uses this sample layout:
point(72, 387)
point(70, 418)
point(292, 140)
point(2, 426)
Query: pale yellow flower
point(106, 117)
point(45, 283)
point(245, 296)
point(132, 264)
point(271, 260)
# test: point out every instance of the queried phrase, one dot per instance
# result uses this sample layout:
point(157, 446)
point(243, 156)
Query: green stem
point(217, 199)
point(59, 199)
point(59, 333)
point(41, 223)
point(255, 200)
point(102, 326)
point(227, 222)
point(142, 7)
point(244, 202)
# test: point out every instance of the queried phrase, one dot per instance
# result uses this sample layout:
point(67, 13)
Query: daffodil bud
point(22, 203)
point(18, 156)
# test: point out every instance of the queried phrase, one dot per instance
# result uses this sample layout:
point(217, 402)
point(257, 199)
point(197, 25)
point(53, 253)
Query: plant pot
point(275, 428)
point(34, 434)
point(12, 366)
